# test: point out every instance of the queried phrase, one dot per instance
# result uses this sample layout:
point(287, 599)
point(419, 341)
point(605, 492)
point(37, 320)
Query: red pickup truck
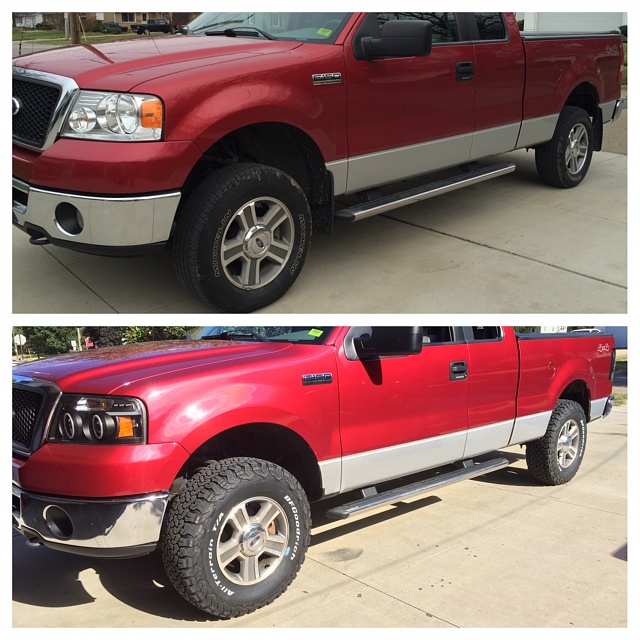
point(212, 449)
point(230, 143)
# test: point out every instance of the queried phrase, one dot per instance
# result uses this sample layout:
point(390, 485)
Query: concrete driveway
point(499, 551)
point(510, 245)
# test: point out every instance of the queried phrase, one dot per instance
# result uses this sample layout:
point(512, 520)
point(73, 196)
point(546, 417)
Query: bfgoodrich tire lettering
point(565, 159)
point(236, 536)
point(243, 237)
point(556, 457)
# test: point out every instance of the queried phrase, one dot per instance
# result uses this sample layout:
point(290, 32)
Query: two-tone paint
point(338, 105)
point(367, 421)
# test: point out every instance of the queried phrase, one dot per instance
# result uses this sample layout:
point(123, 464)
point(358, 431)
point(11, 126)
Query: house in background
point(27, 20)
point(572, 21)
point(57, 20)
point(619, 335)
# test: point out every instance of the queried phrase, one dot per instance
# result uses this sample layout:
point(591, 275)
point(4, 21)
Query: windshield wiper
point(237, 335)
point(233, 32)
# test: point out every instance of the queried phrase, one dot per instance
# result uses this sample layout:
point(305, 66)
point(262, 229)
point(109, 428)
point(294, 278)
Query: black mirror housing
point(390, 341)
point(400, 39)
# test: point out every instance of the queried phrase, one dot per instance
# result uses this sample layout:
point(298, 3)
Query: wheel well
point(585, 97)
point(276, 145)
point(578, 392)
point(264, 441)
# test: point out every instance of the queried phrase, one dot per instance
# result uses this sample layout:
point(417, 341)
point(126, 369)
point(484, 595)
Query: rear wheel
point(565, 159)
point(556, 457)
point(236, 536)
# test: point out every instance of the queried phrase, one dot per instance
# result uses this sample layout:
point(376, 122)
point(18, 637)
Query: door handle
point(458, 371)
point(464, 71)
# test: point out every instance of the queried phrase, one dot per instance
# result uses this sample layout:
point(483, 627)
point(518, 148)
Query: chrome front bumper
point(115, 528)
point(92, 221)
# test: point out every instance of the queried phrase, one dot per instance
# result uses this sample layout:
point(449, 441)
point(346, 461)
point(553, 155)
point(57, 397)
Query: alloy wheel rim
point(257, 243)
point(253, 541)
point(568, 441)
point(577, 149)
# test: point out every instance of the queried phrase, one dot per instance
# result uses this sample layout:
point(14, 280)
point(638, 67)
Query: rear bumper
point(92, 223)
point(621, 105)
point(601, 408)
point(110, 528)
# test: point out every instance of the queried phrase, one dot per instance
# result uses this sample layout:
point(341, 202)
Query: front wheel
point(556, 457)
point(235, 537)
point(565, 159)
point(243, 237)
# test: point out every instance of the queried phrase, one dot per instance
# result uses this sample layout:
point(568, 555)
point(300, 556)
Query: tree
point(103, 336)
point(525, 329)
point(112, 336)
point(47, 340)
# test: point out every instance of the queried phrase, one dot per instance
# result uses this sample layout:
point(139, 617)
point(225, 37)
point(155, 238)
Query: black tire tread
point(195, 219)
point(550, 162)
point(541, 453)
point(184, 527)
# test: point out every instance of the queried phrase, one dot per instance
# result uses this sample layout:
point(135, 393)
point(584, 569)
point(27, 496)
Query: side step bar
point(417, 194)
point(368, 502)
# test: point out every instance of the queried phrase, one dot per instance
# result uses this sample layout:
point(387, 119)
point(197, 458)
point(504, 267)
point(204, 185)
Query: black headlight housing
point(88, 419)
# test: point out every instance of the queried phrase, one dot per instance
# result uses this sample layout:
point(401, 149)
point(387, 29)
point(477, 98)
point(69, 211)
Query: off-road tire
point(565, 160)
point(242, 237)
point(206, 515)
point(556, 457)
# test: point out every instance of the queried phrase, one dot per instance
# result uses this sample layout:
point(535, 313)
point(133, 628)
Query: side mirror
point(390, 341)
point(400, 39)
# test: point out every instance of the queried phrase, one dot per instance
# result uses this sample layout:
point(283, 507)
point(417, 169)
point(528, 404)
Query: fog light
point(58, 522)
point(69, 219)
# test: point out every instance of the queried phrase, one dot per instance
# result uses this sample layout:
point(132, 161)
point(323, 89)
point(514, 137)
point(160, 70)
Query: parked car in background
point(112, 27)
point(154, 24)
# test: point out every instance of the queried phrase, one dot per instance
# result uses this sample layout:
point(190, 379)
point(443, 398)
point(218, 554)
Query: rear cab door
point(499, 77)
point(493, 368)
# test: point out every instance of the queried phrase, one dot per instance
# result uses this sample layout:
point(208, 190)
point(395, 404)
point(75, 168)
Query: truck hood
point(121, 66)
point(104, 370)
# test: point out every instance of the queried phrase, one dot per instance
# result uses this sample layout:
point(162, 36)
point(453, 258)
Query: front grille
point(37, 106)
point(27, 406)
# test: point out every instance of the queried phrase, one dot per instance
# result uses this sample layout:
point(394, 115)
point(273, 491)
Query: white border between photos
point(631, 319)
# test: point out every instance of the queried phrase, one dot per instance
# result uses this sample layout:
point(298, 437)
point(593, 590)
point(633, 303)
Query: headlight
point(99, 420)
point(97, 115)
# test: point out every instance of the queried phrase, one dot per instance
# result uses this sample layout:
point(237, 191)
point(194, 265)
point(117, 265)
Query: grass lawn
point(57, 37)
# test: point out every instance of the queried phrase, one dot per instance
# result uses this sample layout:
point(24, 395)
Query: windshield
point(300, 27)
point(302, 335)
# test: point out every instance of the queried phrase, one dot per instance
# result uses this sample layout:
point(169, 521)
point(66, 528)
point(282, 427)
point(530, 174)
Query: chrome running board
point(369, 501)
point(424, 192)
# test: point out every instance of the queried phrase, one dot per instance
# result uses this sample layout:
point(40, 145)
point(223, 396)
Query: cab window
point(445, 28)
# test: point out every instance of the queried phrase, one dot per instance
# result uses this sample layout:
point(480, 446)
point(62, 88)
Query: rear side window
point(436, 335)
point(445, 28)
point(490, 26)
point(486, 333)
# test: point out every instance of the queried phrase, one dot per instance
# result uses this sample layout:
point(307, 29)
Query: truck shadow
point(46, 578)
point(509, 476)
